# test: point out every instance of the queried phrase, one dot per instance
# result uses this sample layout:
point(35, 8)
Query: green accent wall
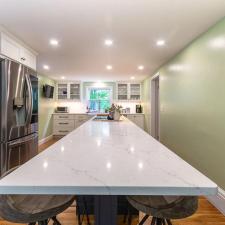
point(192, 103)
point(46, 108)
point(146, 100)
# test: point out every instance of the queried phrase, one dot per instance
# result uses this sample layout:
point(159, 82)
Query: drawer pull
point(63, 123)
point(63, 117)
point(63, 131)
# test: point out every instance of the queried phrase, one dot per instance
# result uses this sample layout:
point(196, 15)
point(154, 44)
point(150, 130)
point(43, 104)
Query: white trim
point(155, 76)
point(44, 140)
point(218, 200)
point(6, 32)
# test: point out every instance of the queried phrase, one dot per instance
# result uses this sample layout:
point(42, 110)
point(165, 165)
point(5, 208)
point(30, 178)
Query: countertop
point(95, 113)
point(105, 158)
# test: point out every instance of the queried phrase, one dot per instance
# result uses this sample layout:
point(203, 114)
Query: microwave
point(62, 109)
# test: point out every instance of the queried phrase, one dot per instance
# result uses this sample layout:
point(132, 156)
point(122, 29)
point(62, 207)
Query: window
point(99, 99)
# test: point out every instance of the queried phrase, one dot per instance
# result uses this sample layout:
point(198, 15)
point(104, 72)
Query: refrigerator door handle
point(23, 140)
point(30, 98)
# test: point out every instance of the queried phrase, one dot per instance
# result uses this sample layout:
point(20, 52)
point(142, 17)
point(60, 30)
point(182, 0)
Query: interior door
point(155, 110)
point(17, 152)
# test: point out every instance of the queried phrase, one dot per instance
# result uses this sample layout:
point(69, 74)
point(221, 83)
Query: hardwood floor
point(207, 214)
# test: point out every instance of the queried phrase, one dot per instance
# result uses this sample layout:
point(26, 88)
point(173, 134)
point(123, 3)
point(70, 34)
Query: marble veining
point(107, 158)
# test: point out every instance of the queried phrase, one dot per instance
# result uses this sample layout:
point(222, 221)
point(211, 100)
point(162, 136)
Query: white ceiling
point(82, 25)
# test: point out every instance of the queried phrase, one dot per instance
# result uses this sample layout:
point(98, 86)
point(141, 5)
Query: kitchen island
point(106, 159)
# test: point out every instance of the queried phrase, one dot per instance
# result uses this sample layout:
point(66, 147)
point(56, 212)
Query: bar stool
point(164, 208)
point(32, 209)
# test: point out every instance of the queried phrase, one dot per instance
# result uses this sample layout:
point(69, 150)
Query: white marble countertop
point(107, 158)
point(92, 114)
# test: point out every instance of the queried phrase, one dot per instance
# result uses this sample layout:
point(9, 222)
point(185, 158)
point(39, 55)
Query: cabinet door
point(122, 91)
point(75, 91)
point(27, 58)
point(137, 119)
point(135, 91)
point(10, 48)
point(62, 91)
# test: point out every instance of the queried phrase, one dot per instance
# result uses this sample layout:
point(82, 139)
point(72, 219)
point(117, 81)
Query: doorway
point(155, 116)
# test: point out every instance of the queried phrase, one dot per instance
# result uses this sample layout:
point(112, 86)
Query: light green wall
point(146, 96)
point(46, 108)
point(192, 99)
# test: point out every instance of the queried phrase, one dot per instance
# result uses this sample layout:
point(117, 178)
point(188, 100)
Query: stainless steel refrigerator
point(18, 114)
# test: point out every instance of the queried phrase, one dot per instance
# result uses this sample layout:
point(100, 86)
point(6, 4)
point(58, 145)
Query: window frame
point(89, 88)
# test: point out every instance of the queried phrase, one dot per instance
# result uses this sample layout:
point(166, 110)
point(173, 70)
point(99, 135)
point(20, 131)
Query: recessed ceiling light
point(141, 67)
point(54, 42)
point(109, 67)
point(46, 67)
point(108, 42)
point(160, 43)
point(132, 78)
point(62, 77)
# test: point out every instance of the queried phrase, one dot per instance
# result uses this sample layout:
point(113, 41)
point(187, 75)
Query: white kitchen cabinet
point(27, 58)
point(135, 91)
point(68, 90)
point(12, 49)
point(122, 91)
point(9, 47)
point(128, 91)
point(65, 123)
point(138, 119)
point(80, 119)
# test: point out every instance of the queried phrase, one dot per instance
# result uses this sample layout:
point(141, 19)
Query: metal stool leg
point(143, 220)
point(86, 211)
point(153, 221)
point(159, 221)
point(55, 221)
point(78, 214)
point(44, 222)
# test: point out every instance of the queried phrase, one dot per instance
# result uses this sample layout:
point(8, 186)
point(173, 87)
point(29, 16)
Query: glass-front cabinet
point(122, 91)
point(135, 91)
point(75, 91)
point(128, 91)
point(69, 90)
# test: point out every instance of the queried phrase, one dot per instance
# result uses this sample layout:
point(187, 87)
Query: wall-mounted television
point(48, 91)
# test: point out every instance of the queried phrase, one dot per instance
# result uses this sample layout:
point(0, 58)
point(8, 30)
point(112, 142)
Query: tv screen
point(48, 91)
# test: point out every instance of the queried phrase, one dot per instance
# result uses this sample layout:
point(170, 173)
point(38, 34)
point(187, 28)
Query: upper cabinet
point(14, 50)
point(68, 90)
point(74, 91)
point(135, 91)
point(122, 91)
point(128, 91)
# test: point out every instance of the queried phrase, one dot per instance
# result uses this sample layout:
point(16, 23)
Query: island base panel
point(105, 210)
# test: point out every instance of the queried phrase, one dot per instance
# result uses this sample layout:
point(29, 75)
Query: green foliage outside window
point(99, 99)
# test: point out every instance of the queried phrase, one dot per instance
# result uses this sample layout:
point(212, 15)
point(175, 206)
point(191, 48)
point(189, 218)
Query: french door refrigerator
point(18, 114)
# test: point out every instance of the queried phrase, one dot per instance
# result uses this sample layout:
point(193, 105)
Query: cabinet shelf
point(129, 91)
point(68, 91)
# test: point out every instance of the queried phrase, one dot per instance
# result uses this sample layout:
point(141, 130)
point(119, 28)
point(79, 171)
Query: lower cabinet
point(138, 119)
point(65, 123)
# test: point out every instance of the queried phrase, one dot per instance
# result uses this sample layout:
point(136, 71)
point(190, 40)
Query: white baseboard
point(44, 140)
point(218, 200)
